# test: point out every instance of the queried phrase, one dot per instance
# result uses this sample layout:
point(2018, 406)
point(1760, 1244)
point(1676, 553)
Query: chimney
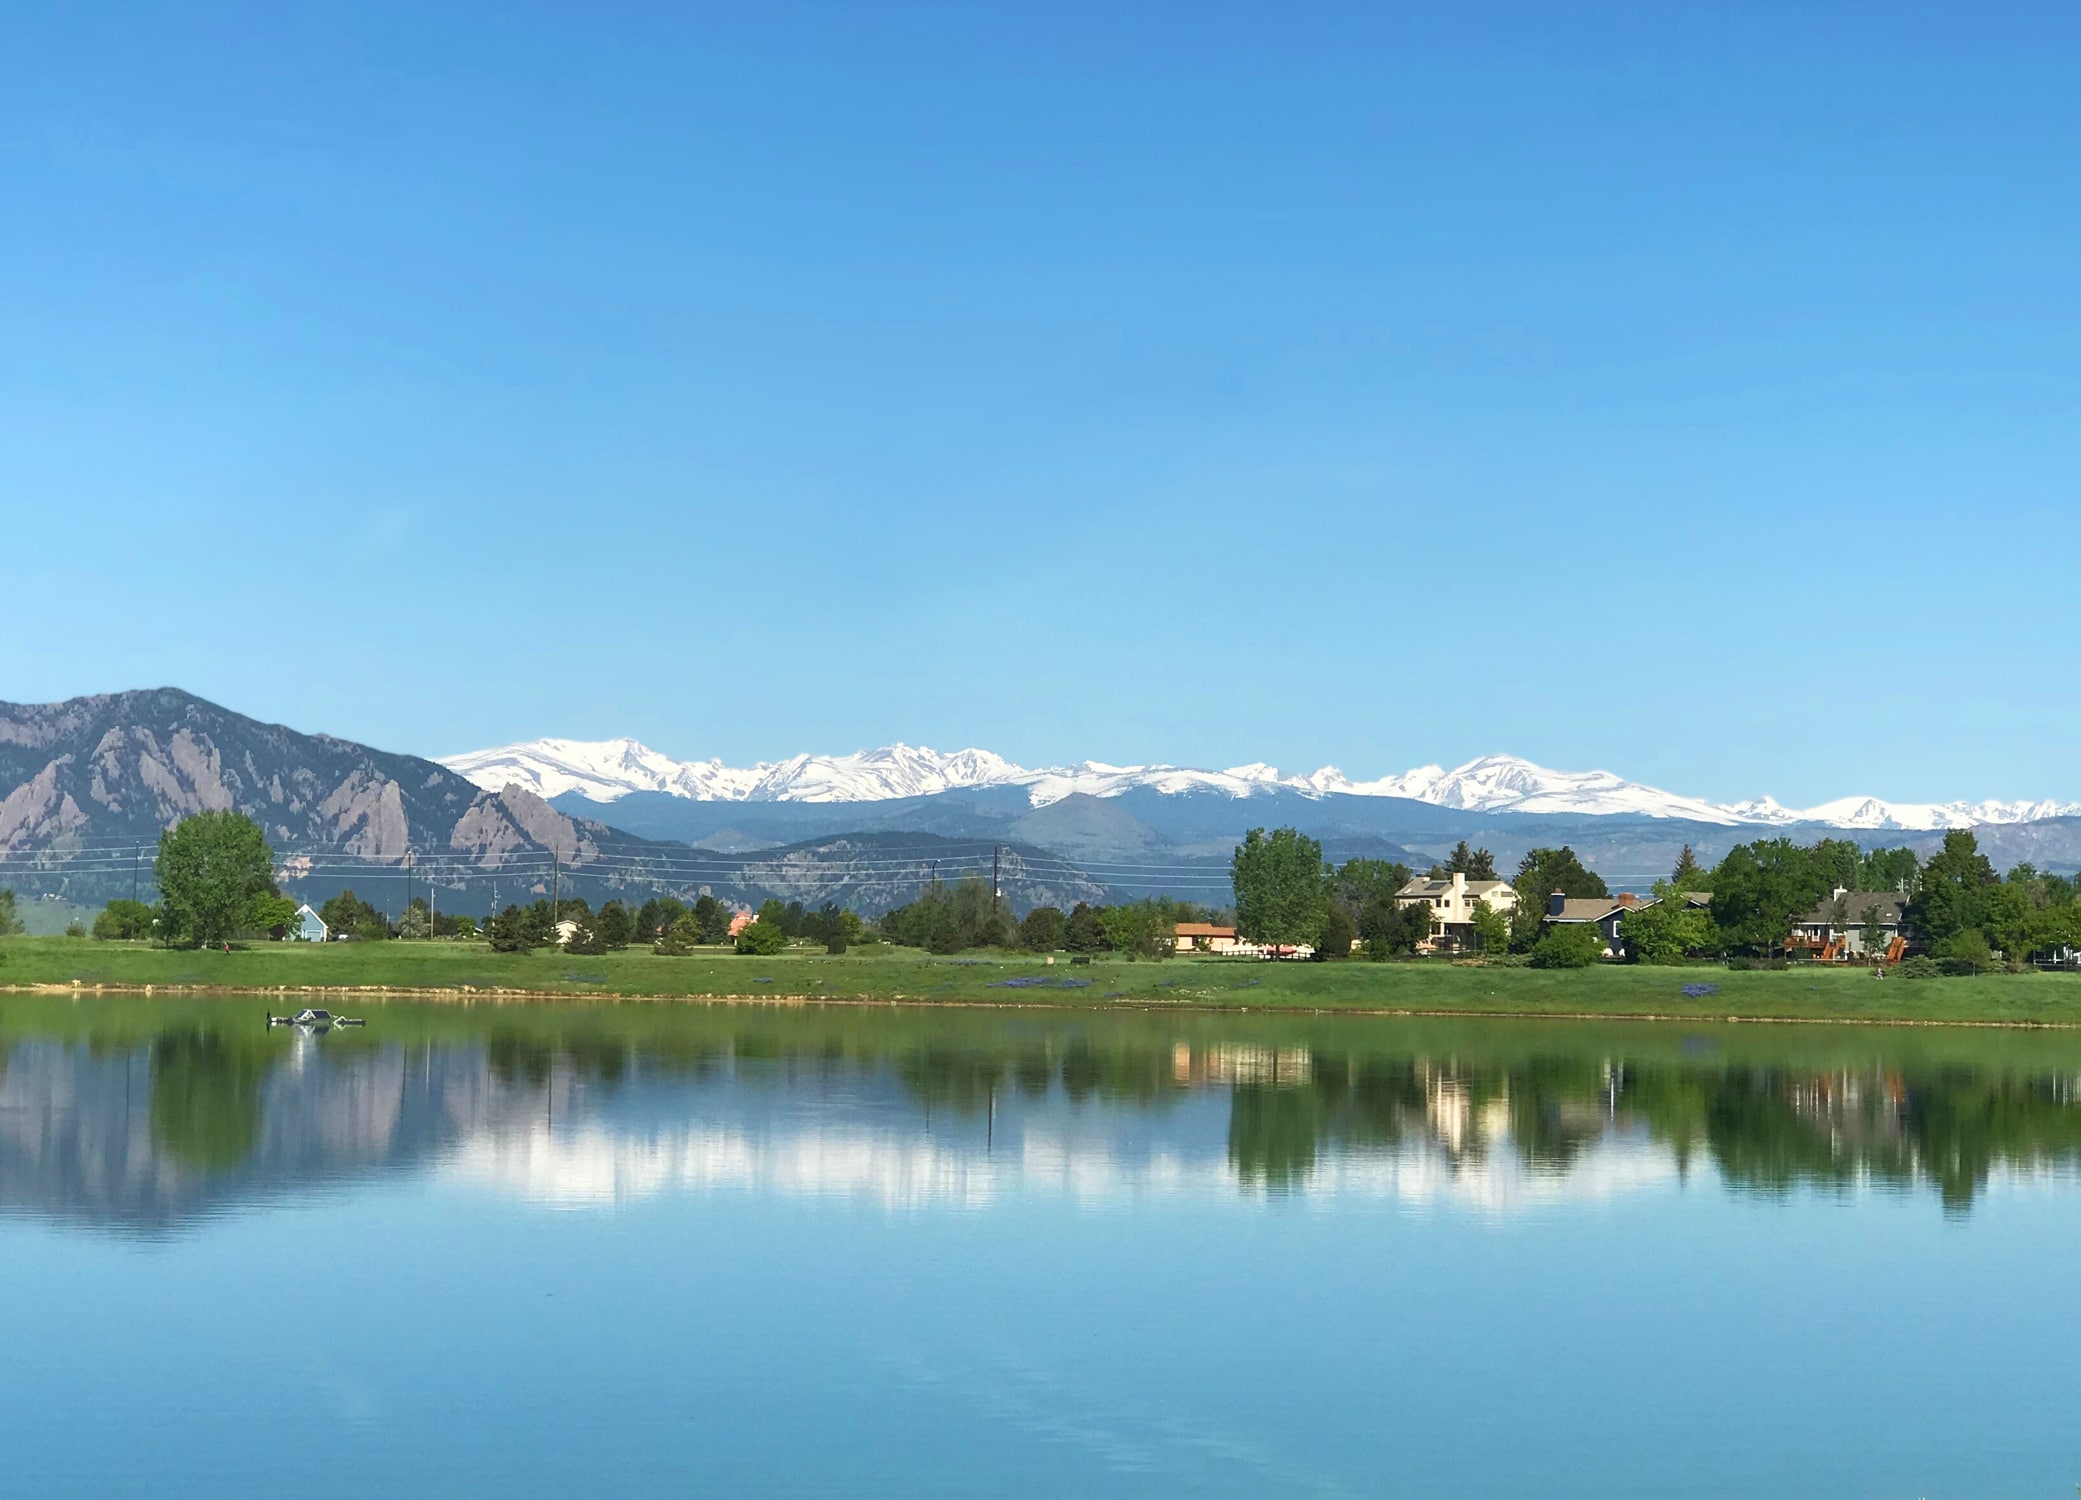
point(1555, 902)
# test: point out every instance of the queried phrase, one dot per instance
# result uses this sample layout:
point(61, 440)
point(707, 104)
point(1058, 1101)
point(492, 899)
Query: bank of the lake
point(901, 975)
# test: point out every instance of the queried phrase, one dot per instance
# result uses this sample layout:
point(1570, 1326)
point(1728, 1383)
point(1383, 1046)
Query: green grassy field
point(906, 975)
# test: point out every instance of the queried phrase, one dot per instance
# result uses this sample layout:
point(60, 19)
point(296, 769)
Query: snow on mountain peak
point(604, 770)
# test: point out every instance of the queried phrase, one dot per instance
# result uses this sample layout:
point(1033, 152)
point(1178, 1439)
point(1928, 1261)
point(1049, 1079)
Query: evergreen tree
point(1475, 864)
point(1686, 876)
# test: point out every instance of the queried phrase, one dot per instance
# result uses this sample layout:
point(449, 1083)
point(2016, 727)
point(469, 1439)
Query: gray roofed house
point(1605, 911)
point(1834, 930)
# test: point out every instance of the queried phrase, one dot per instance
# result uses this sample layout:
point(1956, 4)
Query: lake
point(509, 1250)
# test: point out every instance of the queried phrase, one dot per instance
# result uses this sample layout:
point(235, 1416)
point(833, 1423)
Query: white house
point(1452, 901)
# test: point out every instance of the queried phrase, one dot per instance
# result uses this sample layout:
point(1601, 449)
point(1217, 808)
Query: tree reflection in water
point(1772, 1113)
point(206, 1096)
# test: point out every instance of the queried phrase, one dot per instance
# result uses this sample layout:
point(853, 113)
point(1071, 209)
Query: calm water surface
point(651, 1250)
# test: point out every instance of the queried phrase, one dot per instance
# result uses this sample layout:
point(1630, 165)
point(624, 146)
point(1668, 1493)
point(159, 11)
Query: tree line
point(214, 872)
point(1958, 909)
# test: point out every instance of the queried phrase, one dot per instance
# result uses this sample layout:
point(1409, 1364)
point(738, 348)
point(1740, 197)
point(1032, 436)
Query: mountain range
point(605, 771)
point(87, 785)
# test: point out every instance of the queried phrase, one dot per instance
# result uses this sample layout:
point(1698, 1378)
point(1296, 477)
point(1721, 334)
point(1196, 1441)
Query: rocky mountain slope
point(86, 786)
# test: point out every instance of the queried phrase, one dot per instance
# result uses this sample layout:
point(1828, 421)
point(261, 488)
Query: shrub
point(1921, 966)
point(834, 944)
point(511, 932)
point(75, 928)
point(1965, 952)
point(124, 920)
point(1044, 929)
point(1748, 965)
point(679, 936)
point(762, 938)
point(1573, 945)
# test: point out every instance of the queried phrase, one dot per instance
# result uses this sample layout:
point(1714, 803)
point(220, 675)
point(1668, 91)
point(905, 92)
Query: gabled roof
point(1423, 888)
point(1853, 905)
point(1204, 930)
point(1593, 908)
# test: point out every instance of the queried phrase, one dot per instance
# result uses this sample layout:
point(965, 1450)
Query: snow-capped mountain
point(604, 770)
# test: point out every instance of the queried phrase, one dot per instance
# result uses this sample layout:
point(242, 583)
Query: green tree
point(614, 925)
point(1282, 888)
point(1141, 929)
point(269, 912)
point(1388, 927)
point(123, 921)
point(1491, 929)
point(1758, 888)
point(1873, 922)
point(1666, 932)
point(10, 923)
point(210, 866)
point(1042, 930)
point(712, 918)
point(417, 921)
point(1082, 932)
point(1358, 881)
point(1687, 876)
point(678, 940)
point(1475, 864)
point(347, 915)
point(1338, 934)
point(1539, 874)
point(1888, 870)
point(658, 913)
point(1965, 951)
point(1954, 893)
point(512, 931)
point(762, 938)
point(1568, 945)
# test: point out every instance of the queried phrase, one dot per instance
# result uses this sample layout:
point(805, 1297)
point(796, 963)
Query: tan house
point(1452, 901)
point(1205, 937)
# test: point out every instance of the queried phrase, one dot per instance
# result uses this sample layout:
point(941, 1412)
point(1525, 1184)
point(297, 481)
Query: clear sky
point(1691, 390)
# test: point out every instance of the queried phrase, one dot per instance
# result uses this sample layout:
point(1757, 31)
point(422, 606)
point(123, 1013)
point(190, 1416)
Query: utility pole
point(137, 854)
point(996, 850)
point(429, 908)
point(556, 880)
point(408, 892)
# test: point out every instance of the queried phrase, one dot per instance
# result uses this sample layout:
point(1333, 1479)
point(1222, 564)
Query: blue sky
point(1688, 390)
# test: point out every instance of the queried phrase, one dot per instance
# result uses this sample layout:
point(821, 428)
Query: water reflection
point(146, 1119)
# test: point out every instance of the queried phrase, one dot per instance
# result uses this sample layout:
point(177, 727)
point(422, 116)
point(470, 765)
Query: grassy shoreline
point(470, 970)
